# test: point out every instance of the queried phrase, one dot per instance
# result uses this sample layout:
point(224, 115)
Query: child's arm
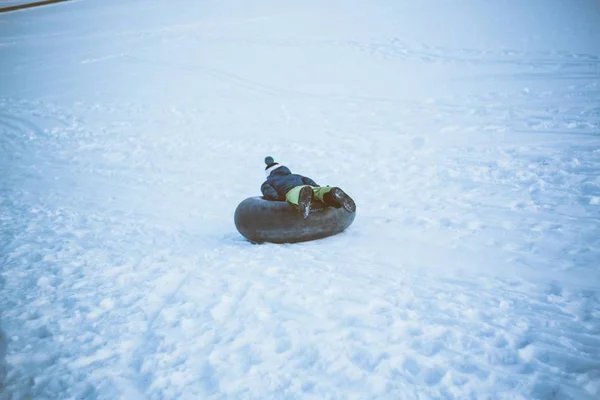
point(269, 192)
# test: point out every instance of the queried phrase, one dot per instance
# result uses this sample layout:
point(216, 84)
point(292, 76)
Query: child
point(300, 191)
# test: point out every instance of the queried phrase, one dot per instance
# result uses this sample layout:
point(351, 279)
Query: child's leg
point(293, 196)
point(301, 197)
point(336, 197)
point(320, 192)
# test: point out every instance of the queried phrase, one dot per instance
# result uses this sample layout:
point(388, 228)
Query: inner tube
point(260, 220)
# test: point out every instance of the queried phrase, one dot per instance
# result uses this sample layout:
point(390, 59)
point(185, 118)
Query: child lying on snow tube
point(300, 191)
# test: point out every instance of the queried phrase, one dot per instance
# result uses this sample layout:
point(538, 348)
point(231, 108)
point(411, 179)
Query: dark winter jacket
point(281, 181)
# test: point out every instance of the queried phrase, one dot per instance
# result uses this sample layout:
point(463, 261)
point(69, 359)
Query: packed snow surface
point(467, 131)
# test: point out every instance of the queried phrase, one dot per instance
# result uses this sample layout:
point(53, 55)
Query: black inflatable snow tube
point(260, 220)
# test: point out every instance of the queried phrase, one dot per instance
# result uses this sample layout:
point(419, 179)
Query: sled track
point(30, 5)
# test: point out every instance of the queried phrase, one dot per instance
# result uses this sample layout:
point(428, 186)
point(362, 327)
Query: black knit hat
point(270, 162)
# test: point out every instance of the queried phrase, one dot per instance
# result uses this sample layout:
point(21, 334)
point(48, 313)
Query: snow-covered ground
point(467, 131)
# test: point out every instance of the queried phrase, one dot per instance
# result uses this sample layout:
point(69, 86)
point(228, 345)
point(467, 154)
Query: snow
point(467, 131)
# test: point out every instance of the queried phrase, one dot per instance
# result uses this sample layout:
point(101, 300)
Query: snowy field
point(467, 131)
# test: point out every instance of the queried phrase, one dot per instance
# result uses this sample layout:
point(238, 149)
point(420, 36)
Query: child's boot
point(305, 200)
point(336, 197)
